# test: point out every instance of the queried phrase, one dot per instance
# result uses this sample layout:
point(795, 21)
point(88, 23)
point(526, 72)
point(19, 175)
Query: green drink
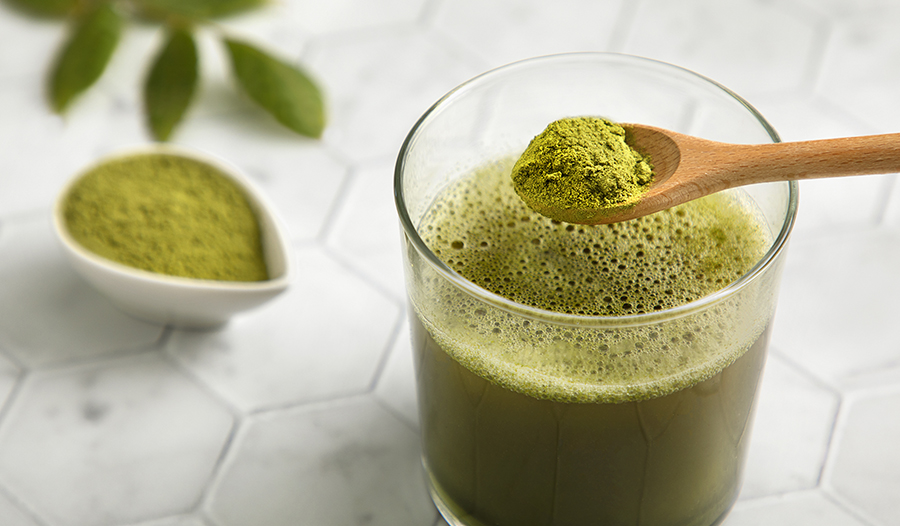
point(595, 428)
point(573, 375)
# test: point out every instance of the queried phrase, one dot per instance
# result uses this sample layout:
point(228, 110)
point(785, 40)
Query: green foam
point(480, 228)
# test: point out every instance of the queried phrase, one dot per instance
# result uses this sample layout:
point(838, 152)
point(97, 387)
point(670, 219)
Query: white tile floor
point(303, 412)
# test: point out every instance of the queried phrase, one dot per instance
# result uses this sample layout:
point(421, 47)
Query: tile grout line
point(274, 410)
point(21, 504)
point(188, 374)
point(202, 506)
point(13, 395)
point(99, 360)
point(337, 205)
point(832, 492)
point(386, 353)
point(839, 403)
point(806, 373)
point(850, 508)
point(339, 258)
point(396, 414)
point(238, 419)
point(23, 507)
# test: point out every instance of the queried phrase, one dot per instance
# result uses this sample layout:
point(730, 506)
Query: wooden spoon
point(686, 167)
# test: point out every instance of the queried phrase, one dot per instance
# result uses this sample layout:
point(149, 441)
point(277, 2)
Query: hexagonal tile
point(37, 279)
point(367, 230)
point(791, 432)
point(126, 440)
point(866, 459)
point(504, 31)
point(322, 338)
point(797, 509)
point(751, 47)
point(299, 176)
point(833, 316)
point(854, 75)
point(345, 462)
point(379, 83)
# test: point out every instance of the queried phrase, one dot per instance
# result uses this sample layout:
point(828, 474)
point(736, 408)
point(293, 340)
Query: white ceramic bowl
point(172, 300)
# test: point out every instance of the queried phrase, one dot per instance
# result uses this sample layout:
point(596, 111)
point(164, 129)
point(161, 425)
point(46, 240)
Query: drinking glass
point(665, 447)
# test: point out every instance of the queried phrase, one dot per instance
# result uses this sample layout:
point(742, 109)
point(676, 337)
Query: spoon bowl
point(687, 168)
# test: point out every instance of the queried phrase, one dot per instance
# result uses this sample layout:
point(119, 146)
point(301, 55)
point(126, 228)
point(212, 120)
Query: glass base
point(454, 516)
point(451, 513)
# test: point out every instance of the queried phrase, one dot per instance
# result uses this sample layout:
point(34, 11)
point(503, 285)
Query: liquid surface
point(485, 232)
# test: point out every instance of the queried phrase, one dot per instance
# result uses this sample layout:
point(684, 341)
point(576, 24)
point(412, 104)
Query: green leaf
point(84, 55)
point(194, 9)
point(281, 89)
point(43, 8)
point(170, 85)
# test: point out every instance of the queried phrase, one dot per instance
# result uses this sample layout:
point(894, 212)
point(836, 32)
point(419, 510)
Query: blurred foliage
point(282, 89)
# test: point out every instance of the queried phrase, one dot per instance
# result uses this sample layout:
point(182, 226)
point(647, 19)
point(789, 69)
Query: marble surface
point(303, 411)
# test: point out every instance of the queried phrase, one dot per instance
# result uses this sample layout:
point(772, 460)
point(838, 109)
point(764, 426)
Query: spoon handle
point(872, 154)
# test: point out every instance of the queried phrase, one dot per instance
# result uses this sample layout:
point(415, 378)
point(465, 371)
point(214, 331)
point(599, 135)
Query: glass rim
point(520, 309)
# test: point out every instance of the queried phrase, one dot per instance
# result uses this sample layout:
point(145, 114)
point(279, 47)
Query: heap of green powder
point(581, 163)
point(167, 214)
